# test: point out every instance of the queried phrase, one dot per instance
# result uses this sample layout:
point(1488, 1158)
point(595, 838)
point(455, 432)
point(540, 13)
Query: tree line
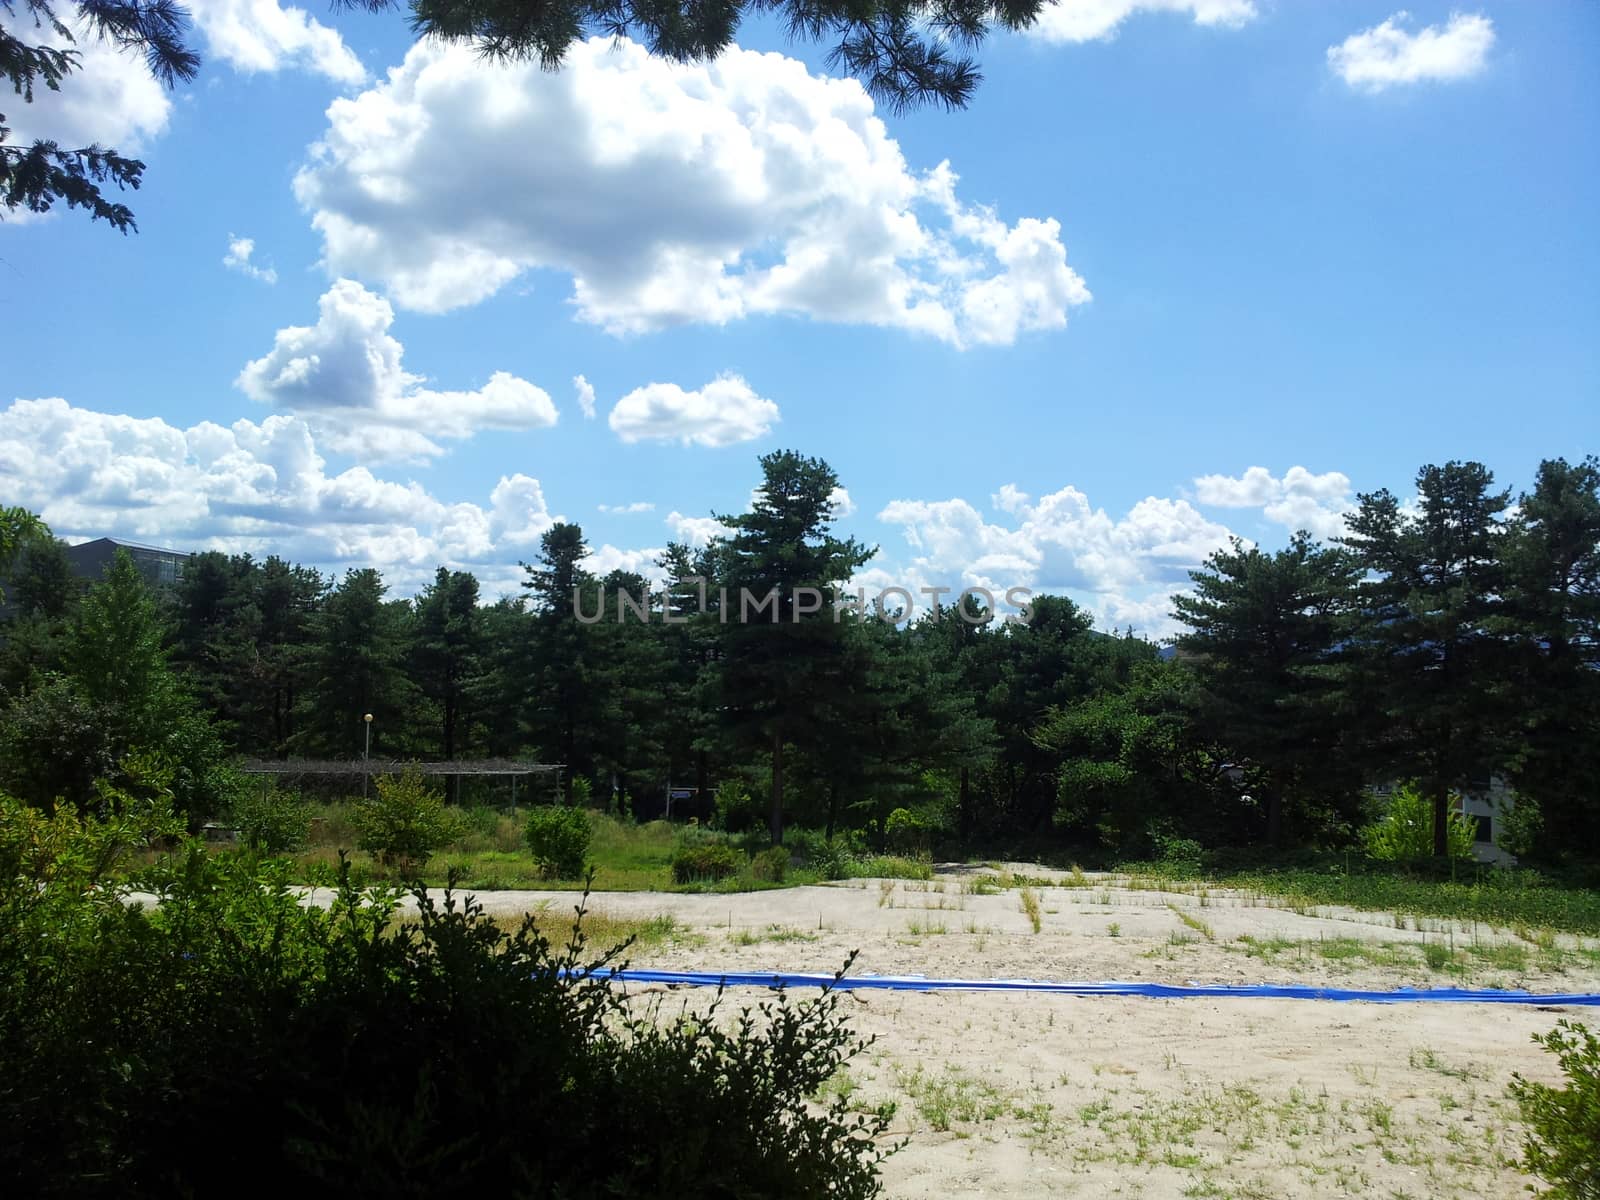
point(1443, 640)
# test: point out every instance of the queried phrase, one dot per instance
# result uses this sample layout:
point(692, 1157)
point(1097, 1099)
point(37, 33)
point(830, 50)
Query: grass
point(1030, 905)
point(954, 1097)
point(1194, 923)
point(771, 933)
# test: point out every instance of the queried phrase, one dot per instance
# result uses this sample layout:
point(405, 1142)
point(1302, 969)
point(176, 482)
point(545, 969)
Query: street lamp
point(366, 753)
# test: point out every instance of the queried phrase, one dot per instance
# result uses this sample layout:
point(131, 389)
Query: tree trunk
point(833, 808)
point(775, 819)
point(1274, 817)
point(702, 802)
point(1441, 819)
point(964, 808)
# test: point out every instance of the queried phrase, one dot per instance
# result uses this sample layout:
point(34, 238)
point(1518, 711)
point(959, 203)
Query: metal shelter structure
point(514, 769)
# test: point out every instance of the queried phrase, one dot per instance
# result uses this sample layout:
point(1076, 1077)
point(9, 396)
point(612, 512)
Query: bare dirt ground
point(1013, 1095)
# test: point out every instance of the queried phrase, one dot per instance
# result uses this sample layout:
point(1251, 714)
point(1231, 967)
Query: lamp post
point(366, 753)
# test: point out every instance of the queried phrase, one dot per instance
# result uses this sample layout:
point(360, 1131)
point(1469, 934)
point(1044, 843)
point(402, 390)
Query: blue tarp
point(1163, 991)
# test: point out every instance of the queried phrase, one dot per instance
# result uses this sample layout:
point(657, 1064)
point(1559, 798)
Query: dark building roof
point(161, 567)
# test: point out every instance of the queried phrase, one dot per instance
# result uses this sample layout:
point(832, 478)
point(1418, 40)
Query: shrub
point(272, 821)
point(771, 865)
point(905, 832)
point(734, 811)
point(153, 1053)
point(406, 821)
point(1563, 1139)
point(1405, 831)
point(559, 839)
point(705, 862)
point(580, 793)
point(1177, 853)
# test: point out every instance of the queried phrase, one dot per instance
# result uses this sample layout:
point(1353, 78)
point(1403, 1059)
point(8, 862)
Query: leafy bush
point(406, 821)
point(1563, 1140)
point(1177, 853)
point(580, 793)
point(771, 865)
point(1522, 827)
point(270, 820)
point(157, 1053)
point(559, 839)
point(705, 862)
point(905, 832)
point(733, 810)
point(1405, 831)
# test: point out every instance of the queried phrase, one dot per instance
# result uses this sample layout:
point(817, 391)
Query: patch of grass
point(1030, 905)
point(1114, 930)
point(771, 933)
point(926, 928)
point(954, 1097)
point(1194, 923)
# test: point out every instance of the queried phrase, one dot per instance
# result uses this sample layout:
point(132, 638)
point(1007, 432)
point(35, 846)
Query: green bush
point(559, 839)
point(734, 811)
point(705, 862)
point(905, 832)
point(580, 793)
point(161, 1052)
point(1563, 1139)
point(272, 821)
point(1405, 831)
point(771, 865)
point(406, 821)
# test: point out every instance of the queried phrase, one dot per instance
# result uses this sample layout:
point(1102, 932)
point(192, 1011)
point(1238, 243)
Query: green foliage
point(271, 820)
point(1404, 834)
point(156, 1053)
point(1522, 828)
point(771, 865)
point(733, 810)
point(705, 862)
point(406, 821)
point(1563, 1140)
point(580, 792)
point(559, 838)
point(905, 832)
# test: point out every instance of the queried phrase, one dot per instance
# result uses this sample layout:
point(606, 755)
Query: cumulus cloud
point(839, 500)
point(253, 488)
point(240, 250)
point(585, 392)
point(671, 193)
point(344, 376)
point(1124, 569)
point(254, 36)
point(1092, 20)
point(1386, 55)
point(694, 531)
point(110, 100)
point(1300, 500)
point(607, 558)
point(638, 506)
point(725, 411)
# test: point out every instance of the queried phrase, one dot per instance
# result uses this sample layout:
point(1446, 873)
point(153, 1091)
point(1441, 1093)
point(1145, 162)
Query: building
point(161, 568)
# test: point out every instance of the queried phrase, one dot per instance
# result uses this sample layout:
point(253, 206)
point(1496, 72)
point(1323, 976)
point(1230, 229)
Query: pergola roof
point(395, 766)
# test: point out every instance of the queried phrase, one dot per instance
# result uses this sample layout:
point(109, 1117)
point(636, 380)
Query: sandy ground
point(1005, 1095)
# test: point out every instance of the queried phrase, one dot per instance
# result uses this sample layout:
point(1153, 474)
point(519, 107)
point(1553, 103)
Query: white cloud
point(672, 193)
point(240, 250)
point(1386, 55)
point(638, 506)
point(607, 558)
point(694, 531)
point(839, 500)
point(725, 411)
point(110, 100)
point(260, 36)
point(1300, 500)
point(1092, 20)
point(585, 392)
point(257, 488)
point(1009, 498)
point(344, 376)
point(1123, 569)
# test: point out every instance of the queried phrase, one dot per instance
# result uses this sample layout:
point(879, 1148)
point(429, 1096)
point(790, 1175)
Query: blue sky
point(1325, 237)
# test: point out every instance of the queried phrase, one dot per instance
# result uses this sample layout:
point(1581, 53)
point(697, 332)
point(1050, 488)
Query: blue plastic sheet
point(1160, 991)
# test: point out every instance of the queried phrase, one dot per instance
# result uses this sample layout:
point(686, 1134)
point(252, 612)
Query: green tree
point(782, 648)
point(1263, 632)
point(447, 638)
point(354, 668)
point(17, 525)
point(1426, 656)
point(1553, 611)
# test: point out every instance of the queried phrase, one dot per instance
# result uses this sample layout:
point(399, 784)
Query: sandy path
point(1040, 1095)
